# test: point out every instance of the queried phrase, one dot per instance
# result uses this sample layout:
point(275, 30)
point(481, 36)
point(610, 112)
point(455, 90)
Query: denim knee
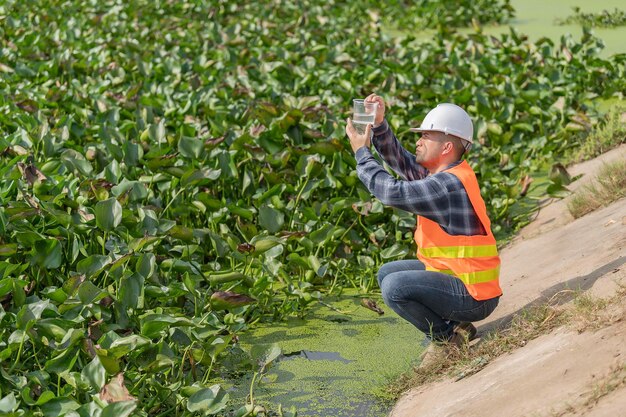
point(382, 273)
point(384, 270)
point(388, 286)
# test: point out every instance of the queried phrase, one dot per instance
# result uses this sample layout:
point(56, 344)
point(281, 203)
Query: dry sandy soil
point(561, 373)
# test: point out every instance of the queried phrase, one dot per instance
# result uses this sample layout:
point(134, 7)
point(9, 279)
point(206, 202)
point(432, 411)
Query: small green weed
point(609, 186)
point(607, 135)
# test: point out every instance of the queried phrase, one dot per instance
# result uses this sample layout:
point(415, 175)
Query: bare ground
point(571, 371)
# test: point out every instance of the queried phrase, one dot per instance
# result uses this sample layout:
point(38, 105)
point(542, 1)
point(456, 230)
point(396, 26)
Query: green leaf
point(146, 265)
point(394, 251)
point(111, 364)
point(19, 295)
point(525, 127)
point(48, 253)
point(264, 354)
point(135, 190)
point(8, 403)
point(88, 293)
point(55, 294)
point(210, 400)
point(76, 162)
point(132, 153)
point(95, 374)
point(119, 409)
point(8, 249)
point(271, 219)
point(63, 362)
point(108, 214)
point(157, 132)
point(131, 293)
point(321, 235)
point(227, 300)
point(190, 147)
point(29, 313)
point(42, 399)
point(181, 232)
point(6, 286)
point(264, 243)
point(557, 190)
point(59, 407)
point(124, 345)
point(200, 176)
point(91, 265)
point(153, 324)
point(241, 212)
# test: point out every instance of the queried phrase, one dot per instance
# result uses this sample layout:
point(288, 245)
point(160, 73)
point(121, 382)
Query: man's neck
point(443, 166)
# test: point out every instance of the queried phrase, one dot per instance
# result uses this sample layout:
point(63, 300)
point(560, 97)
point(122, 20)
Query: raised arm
point(427, 197)
point(394, 154)
point(389, 147)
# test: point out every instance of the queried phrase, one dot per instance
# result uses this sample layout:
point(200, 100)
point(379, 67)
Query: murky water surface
point(333, 363)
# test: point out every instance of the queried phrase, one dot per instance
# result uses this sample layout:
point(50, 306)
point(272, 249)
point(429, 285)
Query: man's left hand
point(357, 140)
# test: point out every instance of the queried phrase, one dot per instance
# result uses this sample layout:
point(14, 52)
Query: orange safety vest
point(472, 259)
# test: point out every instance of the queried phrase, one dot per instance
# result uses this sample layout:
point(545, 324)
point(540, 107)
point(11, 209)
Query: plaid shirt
point(440, 197)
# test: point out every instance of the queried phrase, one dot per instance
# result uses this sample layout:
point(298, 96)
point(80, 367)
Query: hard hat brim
point(419, 129)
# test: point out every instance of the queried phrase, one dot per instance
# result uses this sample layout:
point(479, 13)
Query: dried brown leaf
point(115, 390)
point(371, 305)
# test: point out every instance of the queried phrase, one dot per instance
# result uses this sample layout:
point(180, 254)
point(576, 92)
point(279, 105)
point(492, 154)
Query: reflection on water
point(315, 356)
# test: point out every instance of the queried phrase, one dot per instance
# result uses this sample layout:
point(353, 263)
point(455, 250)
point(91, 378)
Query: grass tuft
point(613, 380)
point(609, 186)
point(606, 136)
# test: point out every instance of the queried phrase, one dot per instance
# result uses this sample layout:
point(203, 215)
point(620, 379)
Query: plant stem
point(295, 206)
point(172, 200)
point(19, 353)
point(208, 372)
point(252, 386)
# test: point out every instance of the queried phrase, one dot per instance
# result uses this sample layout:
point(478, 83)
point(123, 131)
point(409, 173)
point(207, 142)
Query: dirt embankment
point(574, 370)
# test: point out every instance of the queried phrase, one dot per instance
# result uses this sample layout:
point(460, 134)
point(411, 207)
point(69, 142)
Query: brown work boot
point(435, 354)
point(463, 333)
point(439, 352)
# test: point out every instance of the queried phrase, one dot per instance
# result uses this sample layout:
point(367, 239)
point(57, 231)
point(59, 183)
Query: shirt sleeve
point(427, 197)
point(394, 154)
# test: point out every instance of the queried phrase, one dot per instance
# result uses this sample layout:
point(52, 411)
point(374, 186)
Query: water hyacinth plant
point(173, 172)
point(604, 19)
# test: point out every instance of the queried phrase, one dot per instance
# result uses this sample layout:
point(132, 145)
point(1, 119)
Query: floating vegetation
point(603, 19)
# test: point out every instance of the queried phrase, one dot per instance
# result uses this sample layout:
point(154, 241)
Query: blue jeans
point(431, 301)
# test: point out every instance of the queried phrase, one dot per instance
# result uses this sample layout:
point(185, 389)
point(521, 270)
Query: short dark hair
point(459, 146)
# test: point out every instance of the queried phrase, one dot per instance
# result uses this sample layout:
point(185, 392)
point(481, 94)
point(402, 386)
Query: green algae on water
point(350, 357)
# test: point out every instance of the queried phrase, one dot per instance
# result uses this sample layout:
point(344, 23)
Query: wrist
point(358, 147)
point(378, 129)
point(362, 152)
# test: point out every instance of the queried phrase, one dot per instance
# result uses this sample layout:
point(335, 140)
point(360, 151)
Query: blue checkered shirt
point(440, 197)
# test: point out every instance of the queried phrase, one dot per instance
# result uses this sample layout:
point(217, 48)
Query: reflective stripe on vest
point(459, 251)
point(470, 278)
point(472, 259)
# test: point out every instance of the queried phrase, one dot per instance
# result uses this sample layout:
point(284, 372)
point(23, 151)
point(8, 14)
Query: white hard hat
point(449, 119)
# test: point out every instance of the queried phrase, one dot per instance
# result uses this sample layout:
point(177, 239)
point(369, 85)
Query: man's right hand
point(380, 112)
